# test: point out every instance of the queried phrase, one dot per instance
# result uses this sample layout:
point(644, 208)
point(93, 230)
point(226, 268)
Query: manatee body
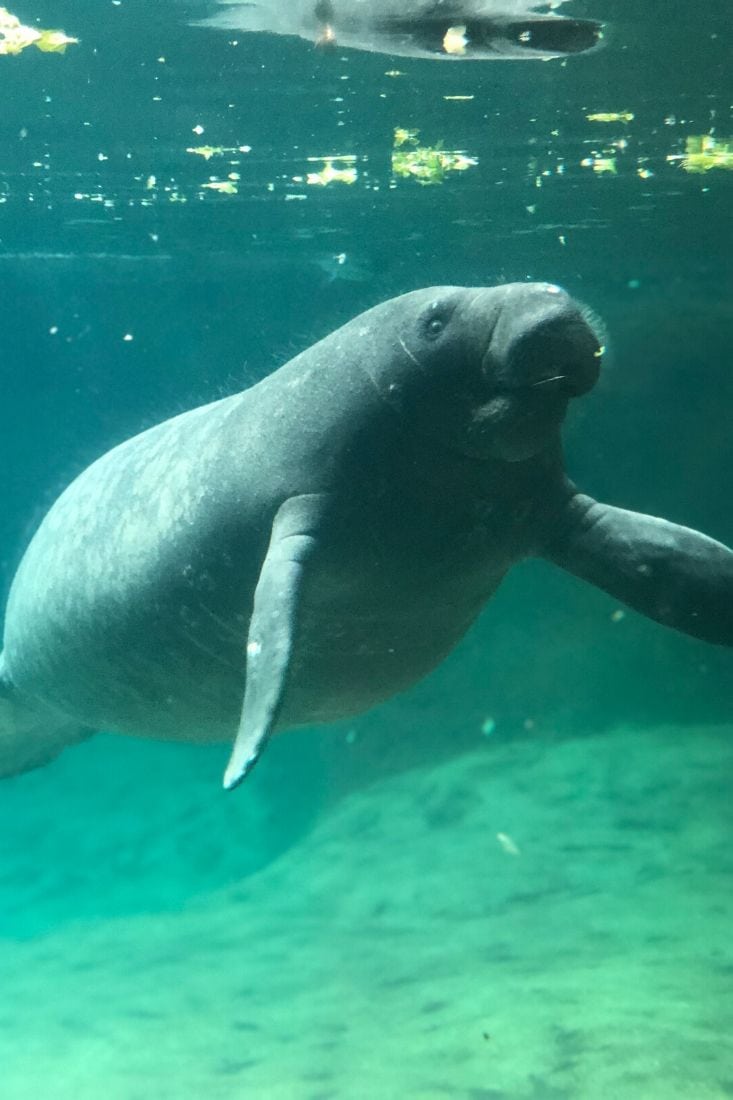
point(305, 549)
point(451, 29)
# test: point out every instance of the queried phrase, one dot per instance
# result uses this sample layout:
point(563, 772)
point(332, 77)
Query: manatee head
point(488, 372)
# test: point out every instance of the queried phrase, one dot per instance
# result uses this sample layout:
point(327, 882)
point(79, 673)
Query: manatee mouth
point(531, 378)
point(452, 34)
point(560, 355)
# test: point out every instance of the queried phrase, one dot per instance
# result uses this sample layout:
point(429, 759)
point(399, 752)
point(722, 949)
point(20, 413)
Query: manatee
point(307, 548)
point(453, 29)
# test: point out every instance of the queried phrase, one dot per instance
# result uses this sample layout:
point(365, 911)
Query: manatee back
point(102, 567)
point(142, 573)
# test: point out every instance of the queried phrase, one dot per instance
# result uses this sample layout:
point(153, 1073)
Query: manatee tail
point(667, 572)
point(31, 734)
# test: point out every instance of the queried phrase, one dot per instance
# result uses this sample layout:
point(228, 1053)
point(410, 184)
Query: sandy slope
point(400, 950)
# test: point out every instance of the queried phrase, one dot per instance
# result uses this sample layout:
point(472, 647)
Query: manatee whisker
point(544, 381)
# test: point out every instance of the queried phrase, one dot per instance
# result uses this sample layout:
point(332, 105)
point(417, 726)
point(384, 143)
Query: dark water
point(129, 291)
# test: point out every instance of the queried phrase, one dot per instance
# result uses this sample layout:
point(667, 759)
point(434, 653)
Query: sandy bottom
point(403, 948)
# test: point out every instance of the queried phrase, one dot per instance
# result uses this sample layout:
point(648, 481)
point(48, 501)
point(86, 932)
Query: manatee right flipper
point(669, 573)
point(272, 628)
point(31, 734)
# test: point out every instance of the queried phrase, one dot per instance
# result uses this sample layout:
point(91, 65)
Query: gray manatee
point(305, 549)
point(452, 29)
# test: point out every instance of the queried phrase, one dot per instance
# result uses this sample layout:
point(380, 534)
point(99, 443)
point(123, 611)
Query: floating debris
point(426, 164)
point(405, 137)
point(206, 151)
point(488, 726)
point(342, 267)
point(209, 151)
point(224, 187)
point(611, 116)
point(703, 152)
point(330, 174)
point(16, 37)
point(327, 38)
point(508, 845)
point(455, 41)
point(600, 165)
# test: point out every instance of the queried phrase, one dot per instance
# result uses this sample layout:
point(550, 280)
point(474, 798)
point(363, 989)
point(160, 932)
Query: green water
point(350, 923)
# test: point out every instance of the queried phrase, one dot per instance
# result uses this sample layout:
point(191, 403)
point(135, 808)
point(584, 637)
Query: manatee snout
point(561, 353)
point(543, 350)
point(543, 340)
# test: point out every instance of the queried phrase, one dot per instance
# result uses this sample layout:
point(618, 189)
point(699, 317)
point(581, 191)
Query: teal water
point(348, 924)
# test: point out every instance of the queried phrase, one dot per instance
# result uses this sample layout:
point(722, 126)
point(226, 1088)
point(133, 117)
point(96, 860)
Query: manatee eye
point(436, 317)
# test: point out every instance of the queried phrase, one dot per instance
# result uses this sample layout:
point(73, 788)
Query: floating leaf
point(405, 137)
point(426, 164)
point(703, 152)
point(330, 174)
point(601, 165)
point(455, 41)
point(16, 37)
point(209, 151)
point(224, 187)
point(611, 116)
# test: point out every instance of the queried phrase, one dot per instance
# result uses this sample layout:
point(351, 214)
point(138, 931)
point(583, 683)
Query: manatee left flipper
point(667, 572)
point(272, 628)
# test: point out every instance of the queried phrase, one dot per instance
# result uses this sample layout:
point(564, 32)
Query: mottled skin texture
point(327, 536)
point(491, 29)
